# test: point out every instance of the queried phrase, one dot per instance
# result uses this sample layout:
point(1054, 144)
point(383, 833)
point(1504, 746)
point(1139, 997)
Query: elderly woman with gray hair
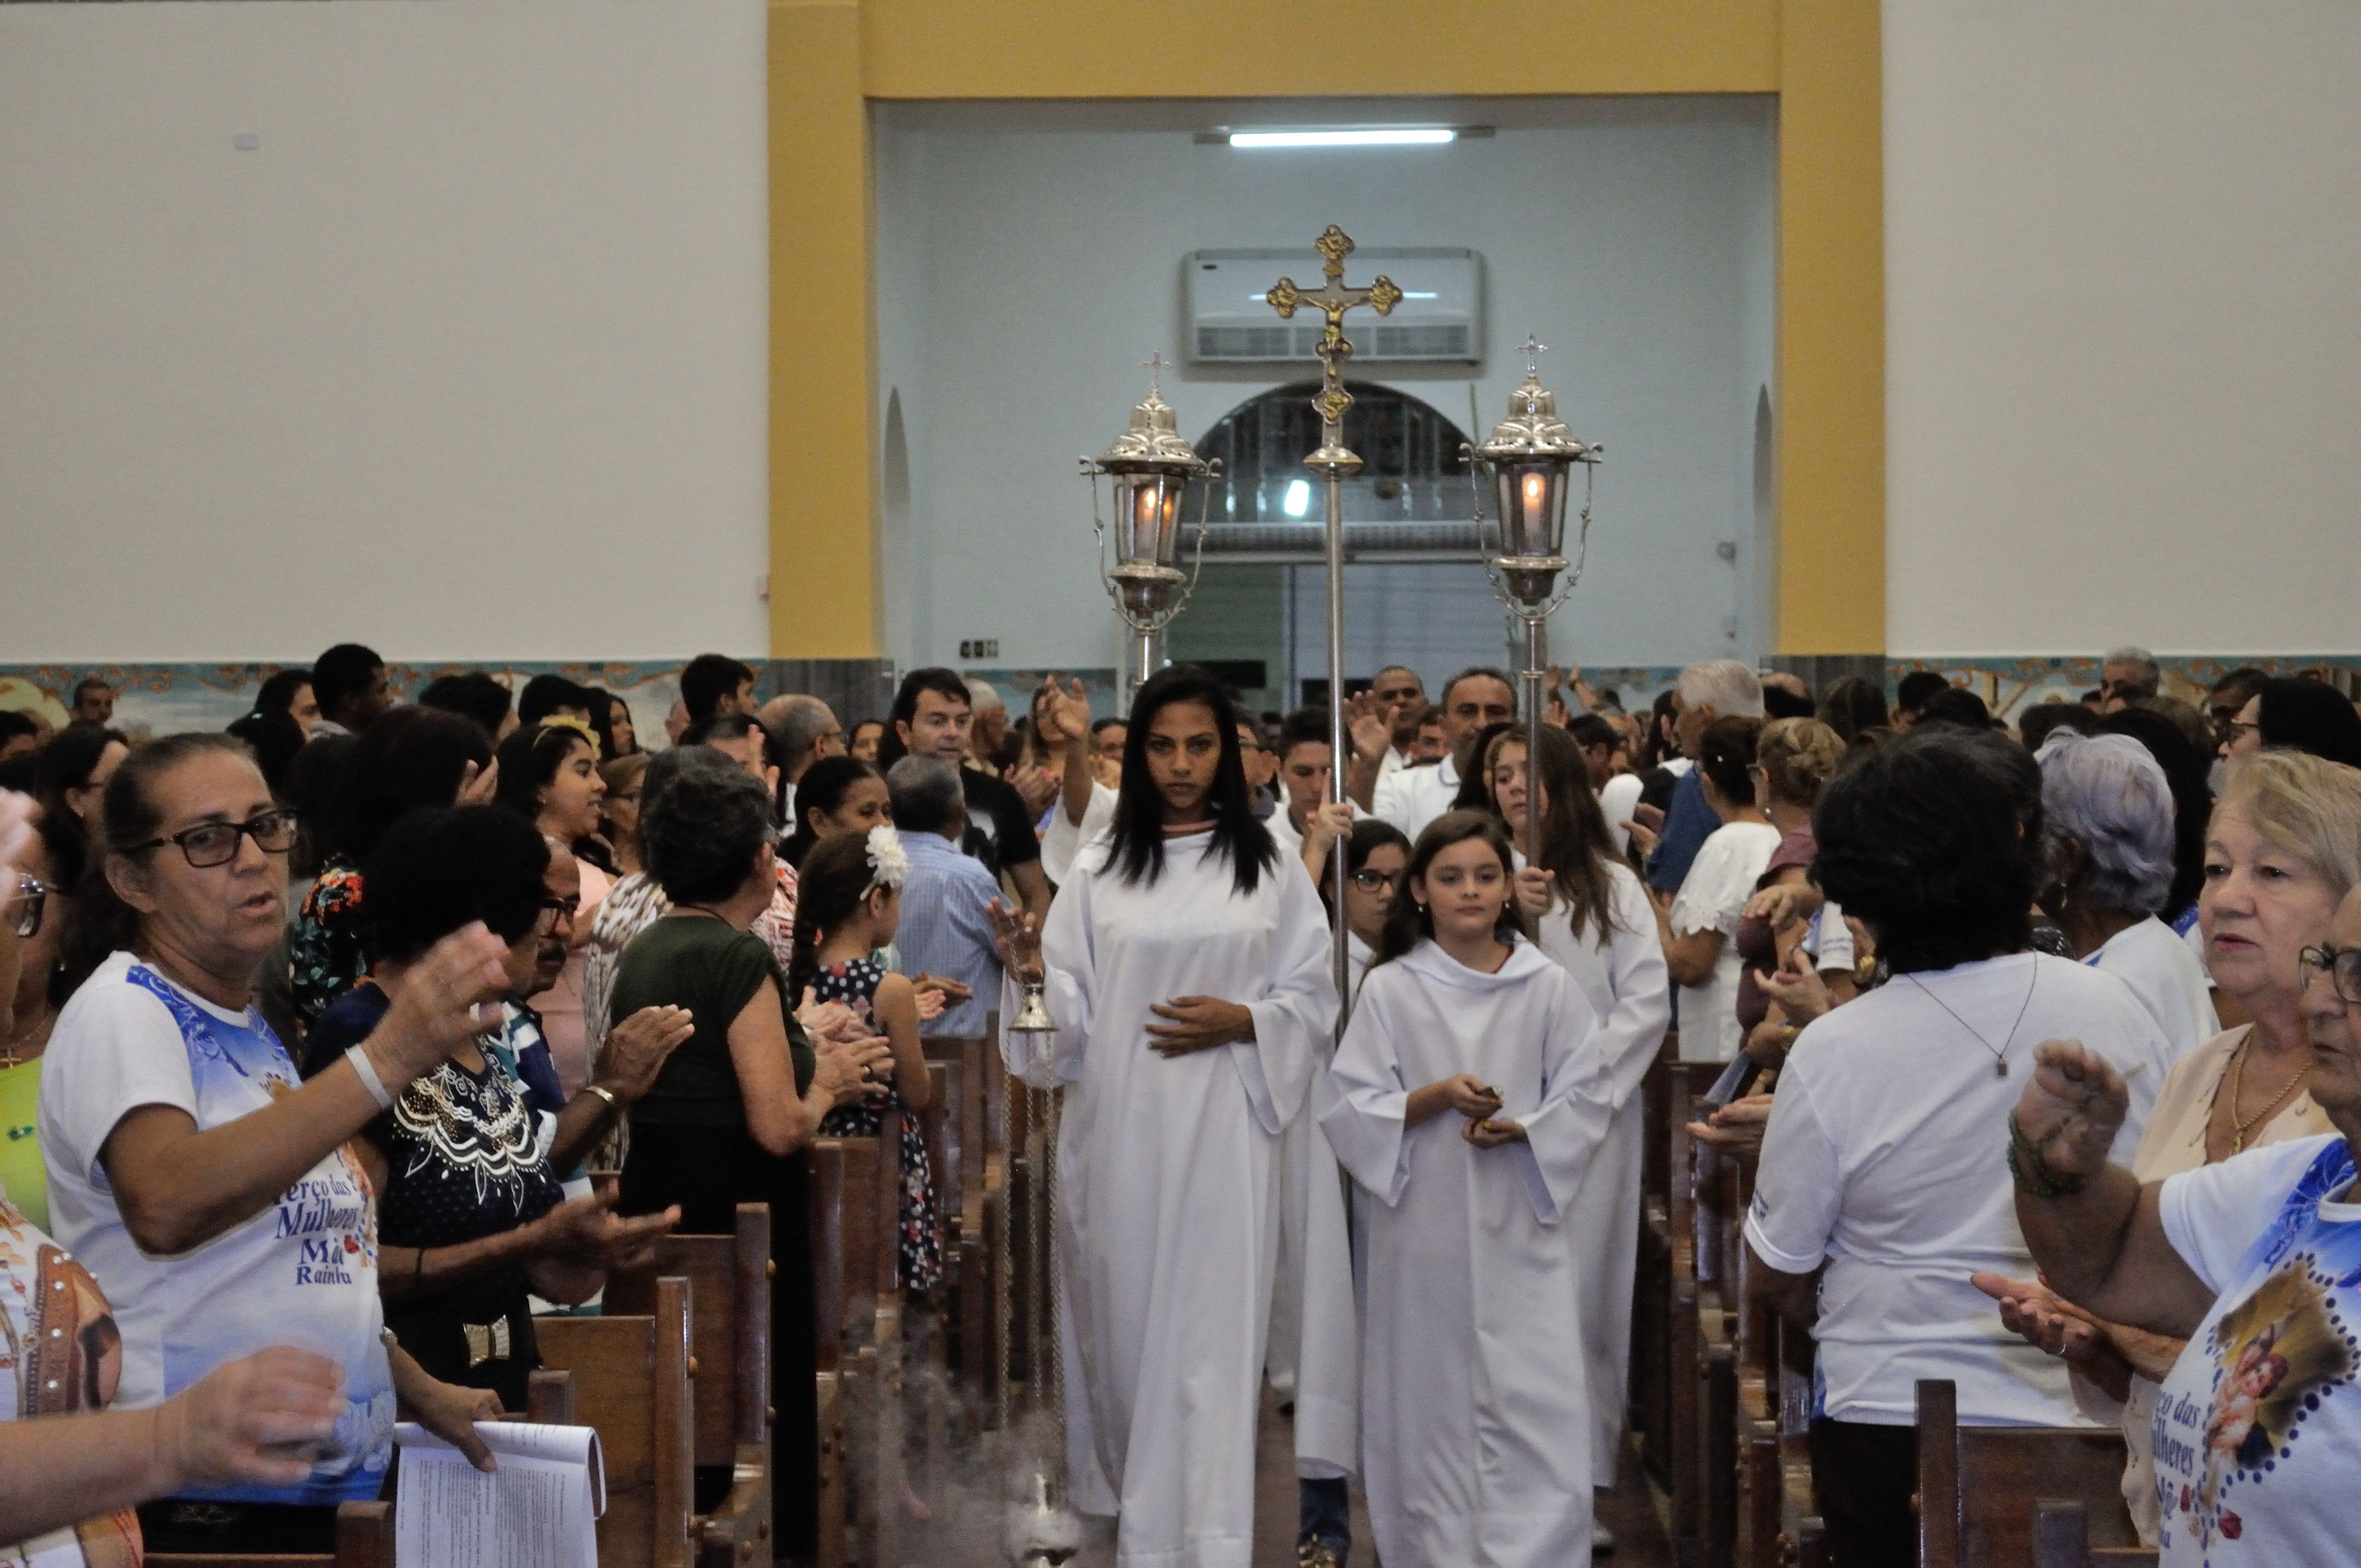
point(2107, 845)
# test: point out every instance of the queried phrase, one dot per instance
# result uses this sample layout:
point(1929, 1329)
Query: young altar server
point(1187, 966)
point(1468, 1097)
point(1589, 914)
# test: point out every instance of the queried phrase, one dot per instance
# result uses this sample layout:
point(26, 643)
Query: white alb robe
point(1474, 1399)
point(1314, 1352)
point(1168, 1182)
point(1625, 982)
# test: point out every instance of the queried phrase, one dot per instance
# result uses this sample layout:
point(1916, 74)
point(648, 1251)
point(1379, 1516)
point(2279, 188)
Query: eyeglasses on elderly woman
point(23, 908)
point(215, 843)
point(2342, 965)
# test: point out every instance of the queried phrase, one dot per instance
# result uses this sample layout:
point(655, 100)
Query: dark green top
point(709, 968)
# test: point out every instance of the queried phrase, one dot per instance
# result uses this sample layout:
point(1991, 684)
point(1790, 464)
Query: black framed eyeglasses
point(2231, 731)
point(553, 910)
point(215, 843)
point(1370, 881)
point(2342, 965)
point(32, 899)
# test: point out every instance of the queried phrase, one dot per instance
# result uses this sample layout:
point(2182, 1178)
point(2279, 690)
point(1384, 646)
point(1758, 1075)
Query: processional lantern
point(1532, 454)
point(1150, 466)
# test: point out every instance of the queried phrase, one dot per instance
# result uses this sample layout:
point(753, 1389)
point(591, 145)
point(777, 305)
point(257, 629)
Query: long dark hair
point(822, 789)
point(1575, 845)
point(1476, 784)
point(833, 880)
point(1409, 921)
point(1136, 846)
point(529, 762)
point(101, 923)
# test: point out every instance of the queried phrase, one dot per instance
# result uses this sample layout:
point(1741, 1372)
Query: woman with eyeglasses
point(2250, 1264)
point(2283, 848)
point(193, 1172)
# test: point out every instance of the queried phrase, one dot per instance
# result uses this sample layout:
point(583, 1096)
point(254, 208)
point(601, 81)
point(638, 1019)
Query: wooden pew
point(1684, 1345)
point(631, 1383)
point(2061, 1539)
point(1715, 1458)
point(1975, 1483)
point(834, 1374)
point(1652, 1284)
point(363, 1540)
point(729, 1375)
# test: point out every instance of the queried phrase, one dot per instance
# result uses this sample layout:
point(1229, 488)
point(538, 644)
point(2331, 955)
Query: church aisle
point(1627, 1512)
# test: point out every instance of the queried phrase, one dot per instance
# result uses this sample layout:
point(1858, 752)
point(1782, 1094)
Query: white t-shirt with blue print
point(2258, 1423)
point(302, 1272)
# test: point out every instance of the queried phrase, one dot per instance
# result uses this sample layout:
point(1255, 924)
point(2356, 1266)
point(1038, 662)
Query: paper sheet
point(538, 1509)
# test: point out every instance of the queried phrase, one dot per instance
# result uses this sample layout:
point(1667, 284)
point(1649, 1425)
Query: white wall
point(1028, 259)
point(467, 360)
point(2124, 325)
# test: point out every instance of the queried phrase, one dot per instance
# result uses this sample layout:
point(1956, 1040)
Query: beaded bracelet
point(2032, 1173)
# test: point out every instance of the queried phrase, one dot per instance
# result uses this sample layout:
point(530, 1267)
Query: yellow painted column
point(823, 514)
point(1831, 393)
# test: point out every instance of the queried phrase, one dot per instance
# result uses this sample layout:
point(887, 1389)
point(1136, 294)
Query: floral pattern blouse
point(326, 953)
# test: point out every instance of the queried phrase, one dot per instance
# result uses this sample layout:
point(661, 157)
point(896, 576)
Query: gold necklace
point(2237, 1091)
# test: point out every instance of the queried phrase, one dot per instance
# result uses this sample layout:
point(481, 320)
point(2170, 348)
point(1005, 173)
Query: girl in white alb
point(1467, 1098)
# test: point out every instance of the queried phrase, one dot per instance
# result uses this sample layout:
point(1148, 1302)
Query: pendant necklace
point(1999, 1052)
point(2237, 1091)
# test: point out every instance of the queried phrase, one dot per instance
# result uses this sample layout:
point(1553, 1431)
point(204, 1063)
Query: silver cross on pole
point(1333, 462)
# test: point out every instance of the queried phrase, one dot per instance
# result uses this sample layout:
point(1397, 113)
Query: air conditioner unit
point(1439, 320)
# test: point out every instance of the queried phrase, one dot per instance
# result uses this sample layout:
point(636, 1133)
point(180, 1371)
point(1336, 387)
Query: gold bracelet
point(603, 1093)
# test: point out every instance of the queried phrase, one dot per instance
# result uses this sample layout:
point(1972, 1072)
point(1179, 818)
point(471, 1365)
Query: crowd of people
point(342, 1044)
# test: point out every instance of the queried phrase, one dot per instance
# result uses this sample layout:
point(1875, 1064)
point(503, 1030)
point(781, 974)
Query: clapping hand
point(1369, 726)
point(1784, 903)
point(1037, 787)
point(1017, 937)
point(1062, 714)
point(638, 1048)
point(588, 1234)
point(2072, 1109)
point(1736, 1128)
point(1796, 987)
point(828, 1020)
point(251, 1423)
point(847, 1070)
point(1646, 827)
point(2036, 1314)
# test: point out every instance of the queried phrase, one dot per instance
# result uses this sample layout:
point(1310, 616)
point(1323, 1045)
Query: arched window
point(1411, 498)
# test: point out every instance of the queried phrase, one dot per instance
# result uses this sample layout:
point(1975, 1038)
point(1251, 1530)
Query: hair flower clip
point(889, 863)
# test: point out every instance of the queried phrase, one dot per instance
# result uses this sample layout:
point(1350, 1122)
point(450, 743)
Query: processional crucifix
point(1334, 462)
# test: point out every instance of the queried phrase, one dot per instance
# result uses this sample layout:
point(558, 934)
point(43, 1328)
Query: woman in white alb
point(1697, 925)
point(1590, 915)
point(1187, 965)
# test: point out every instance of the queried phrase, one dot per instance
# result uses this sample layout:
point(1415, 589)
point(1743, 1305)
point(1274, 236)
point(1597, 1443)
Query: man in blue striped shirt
point(946, 926)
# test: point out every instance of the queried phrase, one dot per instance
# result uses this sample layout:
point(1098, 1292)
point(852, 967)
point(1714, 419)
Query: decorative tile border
point(2008, 686)
point(163, 699)
point(160, 699)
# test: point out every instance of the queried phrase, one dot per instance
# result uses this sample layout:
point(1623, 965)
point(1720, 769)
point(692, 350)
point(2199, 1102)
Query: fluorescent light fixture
point(1297, 498)
point(1394, 136)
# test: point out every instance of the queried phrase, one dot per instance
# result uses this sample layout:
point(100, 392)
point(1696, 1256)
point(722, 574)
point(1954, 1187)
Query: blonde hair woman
point(2282, 850)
